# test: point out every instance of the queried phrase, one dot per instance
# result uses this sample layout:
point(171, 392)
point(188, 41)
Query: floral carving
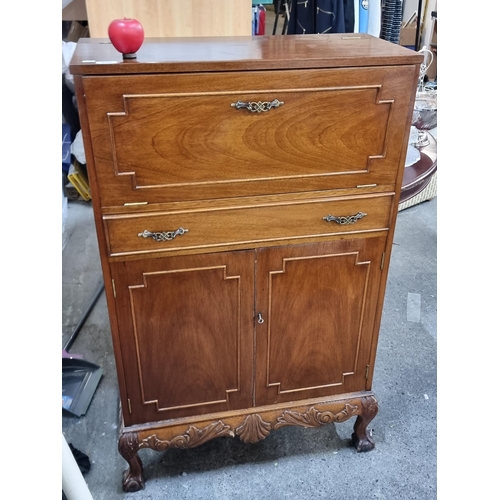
point(315, 418)
point(253, 429)
point(191, 438)
point(128, 445)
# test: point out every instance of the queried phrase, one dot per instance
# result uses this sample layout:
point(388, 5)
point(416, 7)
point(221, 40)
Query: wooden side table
point(418, 176)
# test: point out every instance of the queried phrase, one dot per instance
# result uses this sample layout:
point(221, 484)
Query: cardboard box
point(407, 37)
point(76, 31)
point(76, 10)
point(432, 69)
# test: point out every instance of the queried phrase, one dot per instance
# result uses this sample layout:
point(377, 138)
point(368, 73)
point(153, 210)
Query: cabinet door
point(318, 303)
point(185, 334)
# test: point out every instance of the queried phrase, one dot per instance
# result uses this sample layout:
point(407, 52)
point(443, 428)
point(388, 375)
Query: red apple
point(126, 35)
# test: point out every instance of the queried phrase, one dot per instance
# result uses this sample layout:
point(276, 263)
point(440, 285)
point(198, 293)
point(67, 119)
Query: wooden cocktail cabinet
point(245, 193)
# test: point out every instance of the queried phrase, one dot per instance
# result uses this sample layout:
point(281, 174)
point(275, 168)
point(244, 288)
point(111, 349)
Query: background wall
point(174, 17)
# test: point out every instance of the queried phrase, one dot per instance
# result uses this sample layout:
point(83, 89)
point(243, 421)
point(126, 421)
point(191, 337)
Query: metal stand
point(76, 331)
point(79, 377)
point(278, 5)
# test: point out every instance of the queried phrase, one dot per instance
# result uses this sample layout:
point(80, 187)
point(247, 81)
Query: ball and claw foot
point(133, 479)
point(128, 446)
point(361, 439)
point(362, 444)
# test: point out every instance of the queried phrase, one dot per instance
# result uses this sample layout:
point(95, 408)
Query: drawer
point(245, 227)
point(167, 138)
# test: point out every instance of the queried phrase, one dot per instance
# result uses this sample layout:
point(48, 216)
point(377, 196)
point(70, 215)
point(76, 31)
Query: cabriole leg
point(361, 440)
point(128, 446)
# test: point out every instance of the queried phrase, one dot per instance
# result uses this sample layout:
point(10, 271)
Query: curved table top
point(418, 175)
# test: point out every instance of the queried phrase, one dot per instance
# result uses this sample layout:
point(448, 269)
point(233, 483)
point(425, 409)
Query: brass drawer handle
point(348, 219)
point(165, 235)
point(257, 107)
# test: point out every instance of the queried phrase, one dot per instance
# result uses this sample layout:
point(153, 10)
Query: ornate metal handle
point(347, 219)
point(257, 107)
point(163, 236)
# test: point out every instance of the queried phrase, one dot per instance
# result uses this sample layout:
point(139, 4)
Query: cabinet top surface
point(96, 56)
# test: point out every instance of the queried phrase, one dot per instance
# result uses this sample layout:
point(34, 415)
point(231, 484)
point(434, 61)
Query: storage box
point(407, 37)
point(76, 31)
point(432, 69)
point(76, 10)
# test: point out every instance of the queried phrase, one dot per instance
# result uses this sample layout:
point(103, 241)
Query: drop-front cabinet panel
point(245, 193)
point(183, 137)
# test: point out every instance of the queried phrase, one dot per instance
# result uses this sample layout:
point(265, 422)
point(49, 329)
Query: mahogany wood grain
point(209, 54)
point(186, 331)
point(248, 201)
point(121, 368)
point(224, 229)
point(263, 314)
point(318, 303)
point(250, 426)
point(336, 129)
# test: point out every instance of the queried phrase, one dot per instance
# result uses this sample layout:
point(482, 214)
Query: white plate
point(412, 156)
